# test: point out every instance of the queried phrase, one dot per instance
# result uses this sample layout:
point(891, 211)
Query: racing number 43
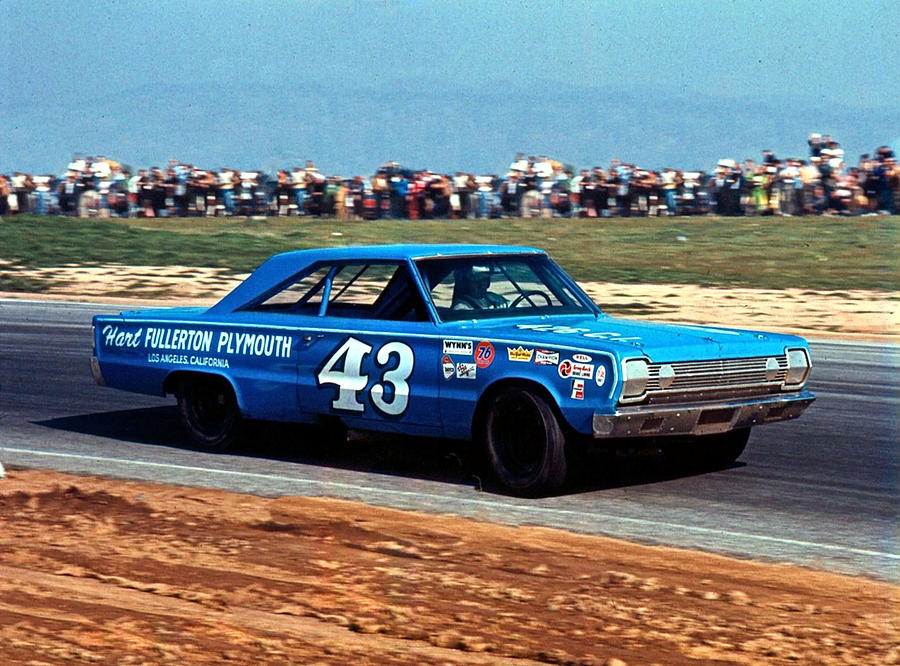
point(344, 370)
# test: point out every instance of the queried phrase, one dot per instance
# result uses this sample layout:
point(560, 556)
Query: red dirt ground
point(100, 571)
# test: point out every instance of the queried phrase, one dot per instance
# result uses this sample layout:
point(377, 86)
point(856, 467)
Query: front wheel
point(209, 412)
point(723, 449)
point(525, 443)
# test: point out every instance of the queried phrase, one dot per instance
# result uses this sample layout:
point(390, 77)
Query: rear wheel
point(525, 443)
point(209, 412)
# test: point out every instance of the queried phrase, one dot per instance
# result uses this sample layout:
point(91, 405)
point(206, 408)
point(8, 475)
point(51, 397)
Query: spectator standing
point(788, 177)
point(669, 181)
point(5, 191)
point(226, 178)
point(298, 185)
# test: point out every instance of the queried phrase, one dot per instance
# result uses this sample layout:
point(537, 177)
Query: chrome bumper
point(701, 418)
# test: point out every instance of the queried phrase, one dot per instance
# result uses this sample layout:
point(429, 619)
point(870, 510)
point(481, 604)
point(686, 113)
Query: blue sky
point(66, 66)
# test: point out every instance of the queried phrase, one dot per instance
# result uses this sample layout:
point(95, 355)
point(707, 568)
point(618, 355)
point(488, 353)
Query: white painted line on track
point(473, 502)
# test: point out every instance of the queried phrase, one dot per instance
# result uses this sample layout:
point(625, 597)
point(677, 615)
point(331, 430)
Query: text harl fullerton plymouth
point(489, 343)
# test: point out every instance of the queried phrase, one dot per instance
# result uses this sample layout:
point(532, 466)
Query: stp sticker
point(466, 370)
point(546, 357)
point(447, 365)
point(458, 347)
point(601, 375)
point(581, 358)
point(577, 389)
point(484, 354)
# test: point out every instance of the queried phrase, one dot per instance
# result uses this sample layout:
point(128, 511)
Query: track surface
point(821, 492)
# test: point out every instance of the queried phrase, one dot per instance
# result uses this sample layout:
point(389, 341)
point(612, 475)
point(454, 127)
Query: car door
point(371, 360)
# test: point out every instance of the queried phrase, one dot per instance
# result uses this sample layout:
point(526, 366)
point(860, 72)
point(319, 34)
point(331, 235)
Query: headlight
point(636, 373)
point(798, 367)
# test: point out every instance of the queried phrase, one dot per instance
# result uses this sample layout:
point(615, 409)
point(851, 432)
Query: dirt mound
point(103, 571)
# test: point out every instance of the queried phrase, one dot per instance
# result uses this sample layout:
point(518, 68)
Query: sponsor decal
point(449, 368)
point(601, 375)
point(199, 341)
point(570, 368)
point(458, 347)
point(519, 354)
point(546, 357)
point(484, 354)
point(581, 358)
point(577, 389)
point(466, 370)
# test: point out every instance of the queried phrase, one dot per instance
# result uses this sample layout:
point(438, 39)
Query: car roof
point(280, 267)
point(400, 252)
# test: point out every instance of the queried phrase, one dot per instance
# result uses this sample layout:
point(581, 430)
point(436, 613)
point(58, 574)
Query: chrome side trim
point(704, 418)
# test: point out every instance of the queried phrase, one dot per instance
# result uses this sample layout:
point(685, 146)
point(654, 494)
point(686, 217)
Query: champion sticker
point(448, 367)
point(519, 354)
point(466, 370)
point(546, 357)
point(458, 347)
point(601, 375)
point(484, 354)
point(577, 389)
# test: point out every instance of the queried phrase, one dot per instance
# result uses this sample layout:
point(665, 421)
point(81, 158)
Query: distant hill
point(422, 124)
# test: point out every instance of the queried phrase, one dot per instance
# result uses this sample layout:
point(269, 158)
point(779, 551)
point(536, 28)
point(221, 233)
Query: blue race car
point(489, 343)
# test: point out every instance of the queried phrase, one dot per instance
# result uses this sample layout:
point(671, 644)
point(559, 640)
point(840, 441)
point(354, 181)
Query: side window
point(369, 291)
point(301, 296)
point(375, 291)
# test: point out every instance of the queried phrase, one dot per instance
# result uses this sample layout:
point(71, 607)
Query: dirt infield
point(860, 314)
point(103, 571)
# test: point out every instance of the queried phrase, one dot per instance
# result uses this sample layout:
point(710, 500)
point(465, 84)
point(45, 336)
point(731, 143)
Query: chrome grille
point(718, 374)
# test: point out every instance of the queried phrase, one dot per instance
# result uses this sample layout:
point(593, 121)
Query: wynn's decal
point(458, 347)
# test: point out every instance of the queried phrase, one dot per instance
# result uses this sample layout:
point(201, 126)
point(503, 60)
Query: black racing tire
point(209, 412)
point(525, 445)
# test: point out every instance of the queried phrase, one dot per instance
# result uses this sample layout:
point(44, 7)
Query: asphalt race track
point(819, 492)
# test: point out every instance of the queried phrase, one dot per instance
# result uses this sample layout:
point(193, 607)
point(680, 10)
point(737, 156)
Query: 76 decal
point(389, 395)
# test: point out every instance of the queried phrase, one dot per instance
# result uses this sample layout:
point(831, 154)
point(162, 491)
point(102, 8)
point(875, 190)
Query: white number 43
point(344, 370)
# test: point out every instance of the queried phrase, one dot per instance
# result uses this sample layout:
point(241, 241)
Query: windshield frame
point(553, 278)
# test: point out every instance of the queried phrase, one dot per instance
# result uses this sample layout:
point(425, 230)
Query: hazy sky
point(72, 56)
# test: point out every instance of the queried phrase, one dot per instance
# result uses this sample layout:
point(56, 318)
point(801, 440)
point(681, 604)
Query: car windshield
point(500, 286)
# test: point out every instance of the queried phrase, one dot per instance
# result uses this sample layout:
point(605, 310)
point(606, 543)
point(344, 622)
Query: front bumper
point(700, 418)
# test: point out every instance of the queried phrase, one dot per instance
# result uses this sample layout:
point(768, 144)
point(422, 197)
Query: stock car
point(492, 344)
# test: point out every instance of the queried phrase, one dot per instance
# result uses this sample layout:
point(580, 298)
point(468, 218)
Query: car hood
point(661, 343)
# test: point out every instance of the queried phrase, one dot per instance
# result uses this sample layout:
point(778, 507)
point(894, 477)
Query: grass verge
point(822, 253)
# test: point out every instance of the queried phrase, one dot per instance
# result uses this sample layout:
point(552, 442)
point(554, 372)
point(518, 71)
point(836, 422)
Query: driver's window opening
point(464, 288)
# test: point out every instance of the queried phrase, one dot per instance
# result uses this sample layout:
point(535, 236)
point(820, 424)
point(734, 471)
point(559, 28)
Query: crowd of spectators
point(819, 183)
